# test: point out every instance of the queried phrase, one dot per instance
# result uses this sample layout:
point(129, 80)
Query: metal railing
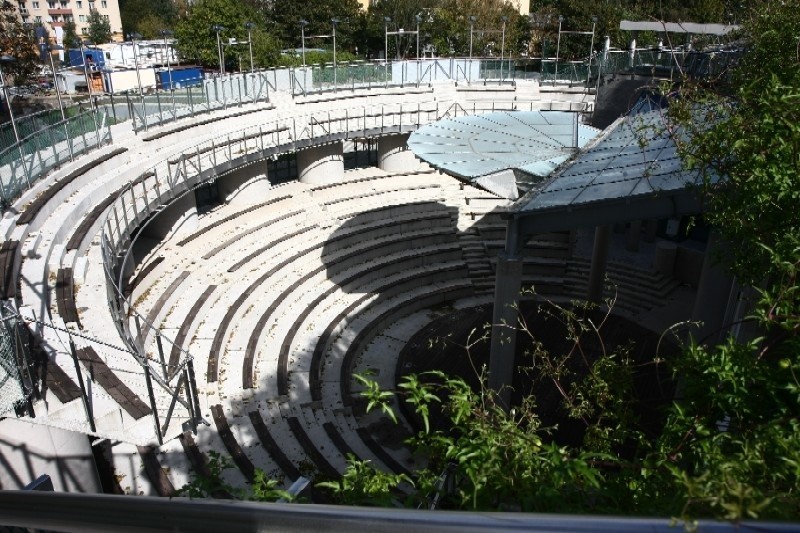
point(218, 92)
point(23, 163)
point(104, 512)
point(171, 179)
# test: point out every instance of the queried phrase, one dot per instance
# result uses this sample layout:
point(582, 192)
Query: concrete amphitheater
point(178, 268)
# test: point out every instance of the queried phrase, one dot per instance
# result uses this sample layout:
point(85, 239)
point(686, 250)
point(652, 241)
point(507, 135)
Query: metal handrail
point(75, 512)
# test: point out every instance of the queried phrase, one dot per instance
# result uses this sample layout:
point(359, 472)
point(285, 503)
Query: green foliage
point(285, 17)
point(213, 485)
point(147, 17)
point(198, 42)
point(362, 484)
point(265, 488)
point(19, 43)
point(70, 34)
point(99, 28)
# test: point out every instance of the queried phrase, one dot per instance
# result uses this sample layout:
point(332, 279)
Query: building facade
point(53, 14)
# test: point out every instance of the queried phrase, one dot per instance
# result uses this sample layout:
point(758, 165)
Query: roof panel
point(635, 157)
point(535, 142)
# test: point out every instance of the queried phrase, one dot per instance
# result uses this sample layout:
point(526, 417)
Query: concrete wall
point(29, 450)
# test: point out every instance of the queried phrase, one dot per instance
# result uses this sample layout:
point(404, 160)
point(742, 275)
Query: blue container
point(181, 77)
point(92, 56)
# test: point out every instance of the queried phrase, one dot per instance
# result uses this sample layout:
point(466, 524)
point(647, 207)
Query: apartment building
point(52, 14)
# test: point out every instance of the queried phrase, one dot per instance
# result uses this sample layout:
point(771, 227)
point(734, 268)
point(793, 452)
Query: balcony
point(60, 11)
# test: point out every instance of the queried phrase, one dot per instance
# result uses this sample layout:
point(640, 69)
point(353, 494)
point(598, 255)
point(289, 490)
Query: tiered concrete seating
point(278, 301)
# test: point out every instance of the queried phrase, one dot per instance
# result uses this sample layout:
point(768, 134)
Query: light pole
point(472, 20)
point(558, 47)
point(250, 26)
point(386, 22)
point(165, 34)
point(8, 59)
point(50, 48)
point(418, 18)
point(503, 47)
point(133, 37)
point(303, 23)
point(334, 22)
point(591, 52)
point(219, 28)
point(86, 71)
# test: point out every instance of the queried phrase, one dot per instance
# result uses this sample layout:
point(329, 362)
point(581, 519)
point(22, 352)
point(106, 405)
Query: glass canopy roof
point(535, 142)
point(636, 157)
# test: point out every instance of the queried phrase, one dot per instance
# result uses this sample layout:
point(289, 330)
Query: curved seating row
point(314, 280)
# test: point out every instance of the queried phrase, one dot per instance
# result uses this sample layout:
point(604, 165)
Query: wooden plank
point(223, 429)
point(322, 464)
point(272, 447)
point(110, 383)
point(155, 473)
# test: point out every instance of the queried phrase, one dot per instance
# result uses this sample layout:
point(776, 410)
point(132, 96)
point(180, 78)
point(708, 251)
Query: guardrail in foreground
point(99, 513)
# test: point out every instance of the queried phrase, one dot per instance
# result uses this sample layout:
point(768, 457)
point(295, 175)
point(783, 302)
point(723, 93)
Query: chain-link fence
point(16, 363)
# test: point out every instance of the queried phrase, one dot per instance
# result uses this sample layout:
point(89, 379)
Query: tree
point(99, 29)
point(70, 35)
point(729, 443)
point(287, 14)
point(147, 17)
point(17, 42)
point(197, 40)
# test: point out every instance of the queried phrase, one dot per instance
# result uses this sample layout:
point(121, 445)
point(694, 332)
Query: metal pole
point(153, 406)
point(88, 80)
point(84, 397)
point(419, 19)
point(218, 28)
point(503, 49)
point(471, 26)
point(55, 82)
point(591, 51)
point(8, 59)
point(472, 19)
point(334, 22)
point(249, 27)
point(386, 21)
point(161, 352)
point(133, 37)
point(558, 48)
point(303, 49)
point(165, 34)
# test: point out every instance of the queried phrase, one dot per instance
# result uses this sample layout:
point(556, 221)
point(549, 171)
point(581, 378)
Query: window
point(64, 5)
point(84, 31)
point(51, 5)
point(37, 18)
point(82, 18)
point(80, 4)
point(105, 17)
point(35, 5)
point(103, 4)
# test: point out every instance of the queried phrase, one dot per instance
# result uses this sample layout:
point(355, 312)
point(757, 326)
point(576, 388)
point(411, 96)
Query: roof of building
point(677, 27)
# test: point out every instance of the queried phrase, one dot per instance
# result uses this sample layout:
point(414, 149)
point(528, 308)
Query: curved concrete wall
point(321, 164)
point(394, 154)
